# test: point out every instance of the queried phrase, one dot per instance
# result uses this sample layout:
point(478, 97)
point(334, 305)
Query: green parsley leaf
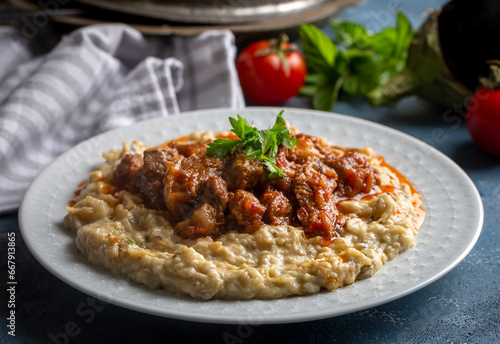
point(252, 152)
point(289, 142)
point(255, 144)
point(280, 124)
point(240, 127)
point(268, 139)
point(221, 147)
point(130, 241)
point(275, 171)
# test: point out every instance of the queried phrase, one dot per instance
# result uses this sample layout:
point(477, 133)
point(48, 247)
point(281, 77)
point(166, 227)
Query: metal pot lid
point(212, 11)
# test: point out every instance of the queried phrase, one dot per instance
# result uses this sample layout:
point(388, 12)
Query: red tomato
point(483, 120)
point(268, 78)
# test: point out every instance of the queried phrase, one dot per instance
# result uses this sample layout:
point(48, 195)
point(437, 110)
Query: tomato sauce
point(416, 198)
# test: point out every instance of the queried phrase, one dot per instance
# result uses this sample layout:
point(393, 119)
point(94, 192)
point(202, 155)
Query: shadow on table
point(415, 111)
point(469, 156)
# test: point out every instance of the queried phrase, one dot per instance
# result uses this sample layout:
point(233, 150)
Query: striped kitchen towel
point(95, 79)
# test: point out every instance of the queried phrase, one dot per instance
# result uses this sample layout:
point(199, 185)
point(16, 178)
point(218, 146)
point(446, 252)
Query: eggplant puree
point(171, 217)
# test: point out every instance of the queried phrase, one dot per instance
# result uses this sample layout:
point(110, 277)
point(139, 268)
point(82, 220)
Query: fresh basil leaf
point(309, 90)
point(356, 84)
point(361, 62)
point(317, 79)
point(392, 63)
point(351, 35)
point(342, 62)
point(319, 50)
point(383, 42)
point(404, 36)
point(363, 75)
point(350, 54)
point(326, 96)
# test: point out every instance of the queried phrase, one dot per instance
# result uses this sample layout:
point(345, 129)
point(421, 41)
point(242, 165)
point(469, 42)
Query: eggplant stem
point(398, 86)
point(426, 73)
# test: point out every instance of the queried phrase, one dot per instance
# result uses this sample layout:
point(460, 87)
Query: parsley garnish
point(130, 241)
point(256, 144)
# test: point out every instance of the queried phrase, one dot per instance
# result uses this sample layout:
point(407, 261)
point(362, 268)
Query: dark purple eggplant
point(448, 54)
point(469, 33)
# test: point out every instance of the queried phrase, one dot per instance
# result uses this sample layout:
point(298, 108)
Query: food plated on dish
point(245, 214)
point(453, 220)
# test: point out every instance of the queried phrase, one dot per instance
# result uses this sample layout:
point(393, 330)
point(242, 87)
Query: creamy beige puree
point(116, 230)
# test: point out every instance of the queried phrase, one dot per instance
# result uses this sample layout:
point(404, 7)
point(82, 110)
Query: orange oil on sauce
point(108, 188)
point(77, 192)
point(223, 135)
point(114, 241)
point(416, 198)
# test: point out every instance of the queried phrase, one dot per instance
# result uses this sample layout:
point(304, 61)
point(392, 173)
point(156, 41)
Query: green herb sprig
point(354, 62)
point(255, 144)
point(130, 241)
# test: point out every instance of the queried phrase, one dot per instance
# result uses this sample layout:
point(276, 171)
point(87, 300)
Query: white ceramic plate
point(451, 228)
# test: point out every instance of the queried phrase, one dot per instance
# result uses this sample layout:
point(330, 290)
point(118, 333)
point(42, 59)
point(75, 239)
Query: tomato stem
point(492, 82)
point(280, 47)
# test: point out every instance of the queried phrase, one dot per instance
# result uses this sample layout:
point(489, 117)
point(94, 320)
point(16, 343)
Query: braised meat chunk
point(150, 182)
point(308, 148)
point(282, 184)
point(247, 211)
point(200, 223)
point(278, 208)
point(126, 174)
point(313, 186)
point(206, 196)
point(191, 181)
point(242, 173)
point(145, 174)
point(208, 214)
point(188, 149)
point(356, 175)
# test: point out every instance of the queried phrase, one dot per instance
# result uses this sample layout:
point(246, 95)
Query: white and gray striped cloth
point(95, 79)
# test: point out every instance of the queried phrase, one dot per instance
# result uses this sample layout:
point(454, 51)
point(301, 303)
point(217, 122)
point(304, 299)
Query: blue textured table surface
point(461, 307)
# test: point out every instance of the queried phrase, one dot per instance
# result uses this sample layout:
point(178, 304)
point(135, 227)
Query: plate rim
point(266, 319)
